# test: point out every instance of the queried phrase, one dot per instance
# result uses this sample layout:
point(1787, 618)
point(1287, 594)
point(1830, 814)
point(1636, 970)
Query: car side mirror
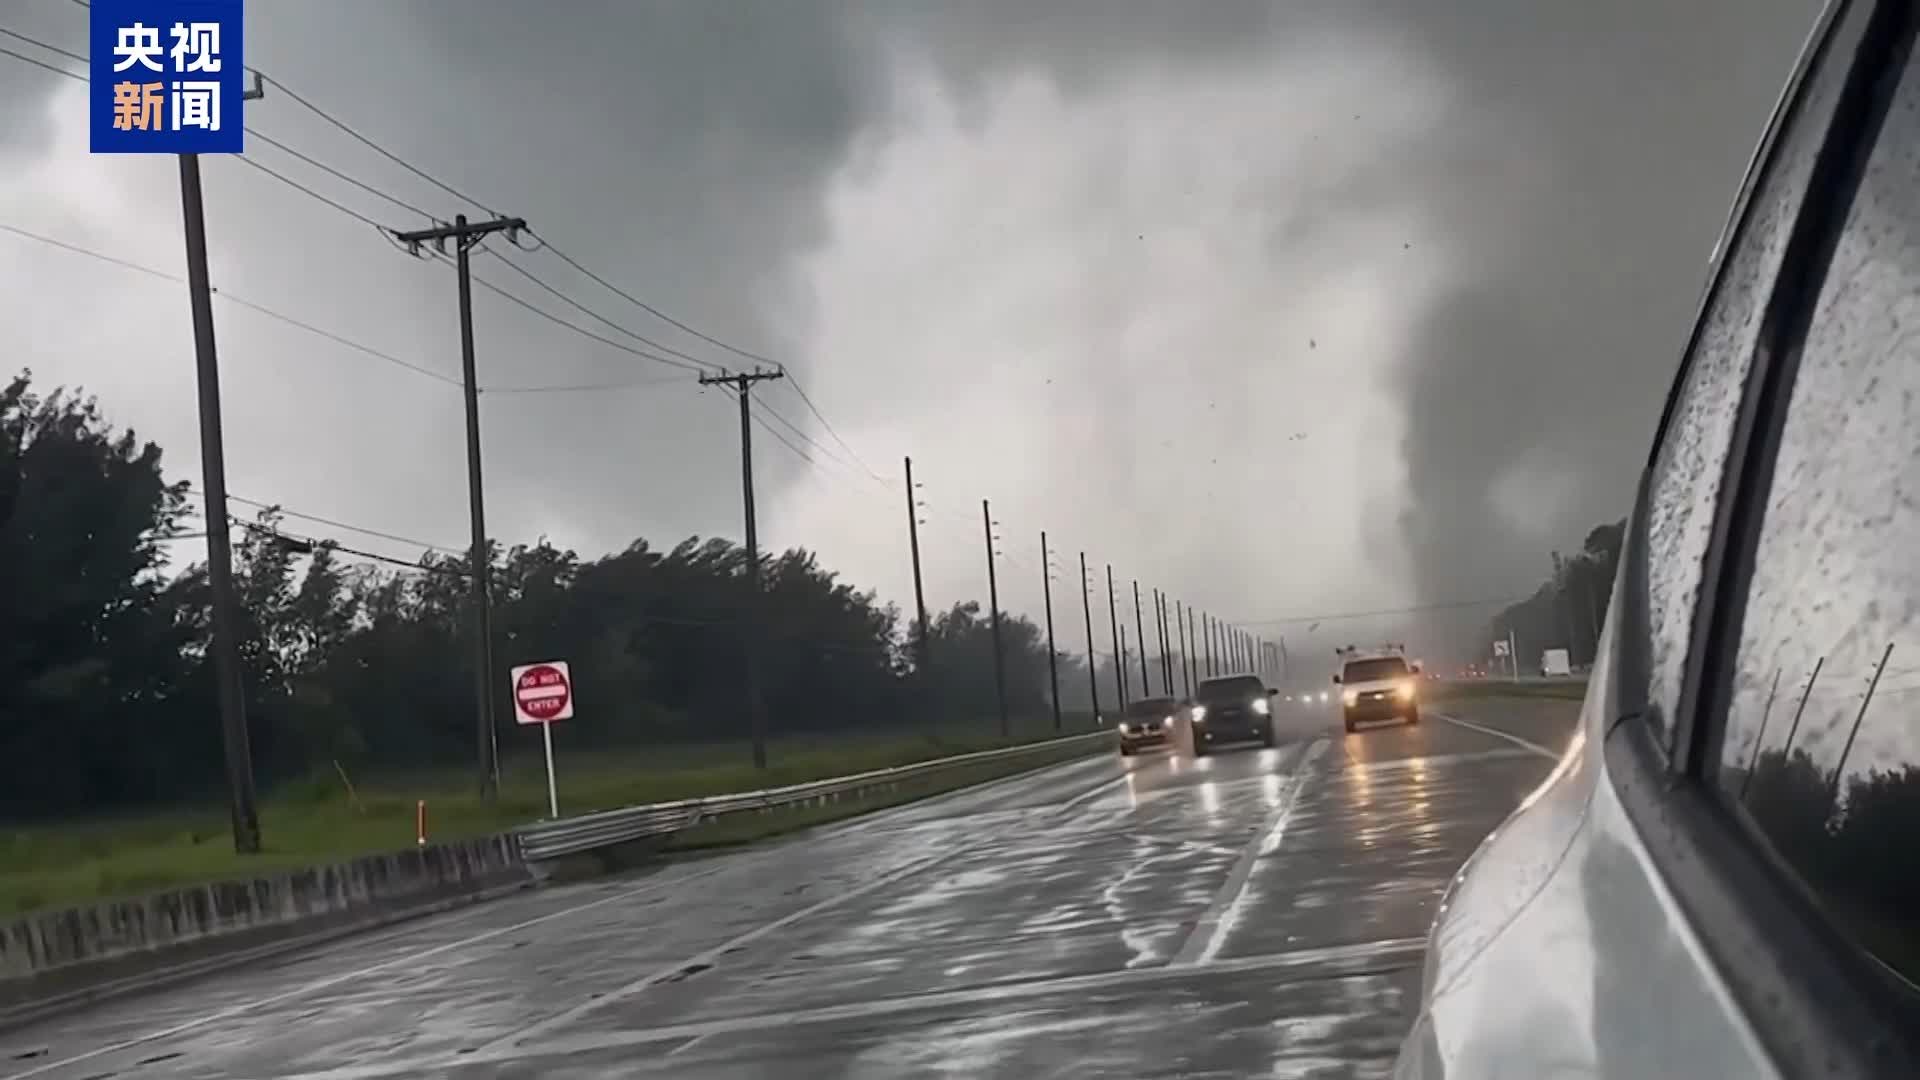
point(1416, 669)
point(1273, 691)
point(1336, 680)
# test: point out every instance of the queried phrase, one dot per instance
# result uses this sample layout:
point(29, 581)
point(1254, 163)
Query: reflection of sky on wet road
point(1258, 911)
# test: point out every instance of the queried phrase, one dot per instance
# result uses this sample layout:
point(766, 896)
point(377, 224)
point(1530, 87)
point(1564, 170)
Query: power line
point(298, 99)
point(233, 298)
point(649, 308)
point(337, 174)
point(307, 191)
point(335, 545)
point(36, 62)
point(348, 342)
point(578, 388)
point(699, 365)
point(515, 298)
point(317, 519)
point(825, 451)
point(706, 365)
point(250, 130)
point(374, 146)
point(78, 250)
point(1412, 610)
point(795, 383)
point(50, 47)
point(445, 549)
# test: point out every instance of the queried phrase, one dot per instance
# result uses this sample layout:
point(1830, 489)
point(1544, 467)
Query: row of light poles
point(1206, 646)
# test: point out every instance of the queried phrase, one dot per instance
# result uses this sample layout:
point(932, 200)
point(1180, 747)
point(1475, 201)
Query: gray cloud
point(1101, 261)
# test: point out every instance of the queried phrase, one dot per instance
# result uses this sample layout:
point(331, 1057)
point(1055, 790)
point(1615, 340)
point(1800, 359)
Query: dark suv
point(1147, 722)
point(1231, 708)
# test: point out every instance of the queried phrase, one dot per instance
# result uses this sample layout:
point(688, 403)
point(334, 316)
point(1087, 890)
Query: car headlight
point(1260, 706)
point(1323, 695)
point(1405, 690)
point(1199, 713)
point(1126, 729)
point(1351, 697)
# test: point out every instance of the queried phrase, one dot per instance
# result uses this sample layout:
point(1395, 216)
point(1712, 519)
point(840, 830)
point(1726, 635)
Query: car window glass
point(1371, 670)
point(1822, 746)
point(1689, 463)
point(1220, 690)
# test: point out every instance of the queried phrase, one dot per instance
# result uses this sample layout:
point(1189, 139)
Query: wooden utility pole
point(228, 677)
point(1186, 649)
point(925, 652)
point(1119, 662)
point(1093, 656)
point(741, 383)
point(993, 602)
point(1166, 654)
point(1053, 654)
point(1140, 633)
point(466, 236)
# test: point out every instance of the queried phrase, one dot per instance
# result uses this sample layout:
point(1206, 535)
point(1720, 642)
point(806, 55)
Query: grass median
point(327, 819)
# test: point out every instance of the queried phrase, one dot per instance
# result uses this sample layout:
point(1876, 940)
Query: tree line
point(1568, 610)
point(106, 687)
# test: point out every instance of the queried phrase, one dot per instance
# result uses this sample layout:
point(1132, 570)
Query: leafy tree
point(1569, 611)
point(89, 648)
point(106, 688)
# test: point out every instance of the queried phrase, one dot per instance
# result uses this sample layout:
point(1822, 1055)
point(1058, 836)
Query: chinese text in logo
point(166, 77)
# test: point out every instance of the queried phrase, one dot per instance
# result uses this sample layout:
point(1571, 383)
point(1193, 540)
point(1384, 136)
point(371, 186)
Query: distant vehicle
point(1378, 686)
point(1709, 883)
point(1554, 662)
point(1147, 722)
point(1231, 708)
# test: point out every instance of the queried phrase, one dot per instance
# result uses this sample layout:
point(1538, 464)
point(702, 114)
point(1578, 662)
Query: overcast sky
point(1290, 309)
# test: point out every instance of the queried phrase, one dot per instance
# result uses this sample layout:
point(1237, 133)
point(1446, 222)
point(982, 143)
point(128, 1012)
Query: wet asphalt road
point(1252, 913)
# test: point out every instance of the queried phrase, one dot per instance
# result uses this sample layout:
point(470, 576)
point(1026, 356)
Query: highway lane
point(1253, 912)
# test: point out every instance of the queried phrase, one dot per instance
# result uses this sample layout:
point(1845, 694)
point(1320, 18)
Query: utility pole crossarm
point(465, 233)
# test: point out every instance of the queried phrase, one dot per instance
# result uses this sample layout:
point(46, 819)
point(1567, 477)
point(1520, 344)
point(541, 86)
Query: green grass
point(314, 821)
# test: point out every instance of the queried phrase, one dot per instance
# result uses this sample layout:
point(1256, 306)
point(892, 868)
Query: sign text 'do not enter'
point(542, 693)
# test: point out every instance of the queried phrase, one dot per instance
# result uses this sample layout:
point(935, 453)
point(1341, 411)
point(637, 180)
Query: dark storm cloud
point(1587, 204)
point(1544, 231)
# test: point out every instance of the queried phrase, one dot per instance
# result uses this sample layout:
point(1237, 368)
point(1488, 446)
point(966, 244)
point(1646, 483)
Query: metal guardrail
point(569, 836)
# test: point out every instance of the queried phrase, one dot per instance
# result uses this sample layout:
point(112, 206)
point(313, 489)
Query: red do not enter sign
point(542, 693)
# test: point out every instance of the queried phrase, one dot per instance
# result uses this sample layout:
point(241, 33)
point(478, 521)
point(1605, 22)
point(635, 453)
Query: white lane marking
point(1362, 959)
point(1209, 933)
point(360, 973)
point(1411, 764)
point(689, 1044)
point(708, 956)
point(1100, 788)
point(1550, 755)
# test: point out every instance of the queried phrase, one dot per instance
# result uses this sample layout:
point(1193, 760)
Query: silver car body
point(1564, 947)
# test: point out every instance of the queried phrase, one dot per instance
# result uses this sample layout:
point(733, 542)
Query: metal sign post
point(543, 695)
point(553, 792)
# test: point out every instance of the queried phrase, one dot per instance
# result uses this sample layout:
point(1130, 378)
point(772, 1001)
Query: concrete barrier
point(56, 958)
